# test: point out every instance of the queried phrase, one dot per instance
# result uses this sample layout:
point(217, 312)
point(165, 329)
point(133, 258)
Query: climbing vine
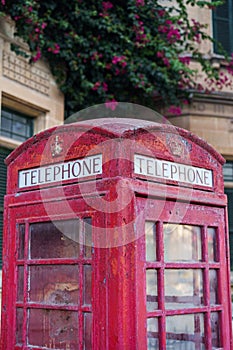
point(121, 50)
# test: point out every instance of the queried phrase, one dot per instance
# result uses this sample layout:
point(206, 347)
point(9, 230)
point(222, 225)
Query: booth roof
point(114, 128)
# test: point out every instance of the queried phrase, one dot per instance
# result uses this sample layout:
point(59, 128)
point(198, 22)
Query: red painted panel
point(90, 261)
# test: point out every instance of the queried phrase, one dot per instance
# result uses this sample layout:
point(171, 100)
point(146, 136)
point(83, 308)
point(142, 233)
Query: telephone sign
point(172, 171)
point(75, 169)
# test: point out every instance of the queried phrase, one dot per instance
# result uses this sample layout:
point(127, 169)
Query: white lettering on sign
point(163, 169)
point(75, 169)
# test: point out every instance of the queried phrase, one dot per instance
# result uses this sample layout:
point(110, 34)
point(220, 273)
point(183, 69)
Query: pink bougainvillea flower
point(184, 59)
point(37, 56)
point(107, 5)
point(166, 61)
point(108, 66)
point(96, 86)
point(175, 110)
point(105, 86)
point(173, 34)
point(161, 13)
point(160, 54)
point(140, 2)
point(119, 59)
point(116, 59)
point(55, 49)
point(3, 2)
point(111, 104)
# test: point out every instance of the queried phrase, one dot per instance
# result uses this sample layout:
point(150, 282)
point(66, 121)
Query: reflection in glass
point(87, 285)
point(54, 240)
point(150, 230)
point(53, 329)
point(183, 288)
point(21, 241)
point(151, 290)
point(182, 242)
point(152, 334)
point(213, 287)
point(215, 330)
point(212, 244)
point(54, 284)
point(185, 332)
point(20, 283)
point(19, 326)
point(87, 331)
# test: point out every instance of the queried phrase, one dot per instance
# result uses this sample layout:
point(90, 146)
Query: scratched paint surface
point(117, 259)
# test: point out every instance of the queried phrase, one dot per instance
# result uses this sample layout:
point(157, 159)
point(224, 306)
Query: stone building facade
point(30, 101)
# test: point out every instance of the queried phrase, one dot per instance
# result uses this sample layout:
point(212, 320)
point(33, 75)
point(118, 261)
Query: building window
point(223, 26)
point(228, 171)
point(228, 177)
point(4, 152)
point(15, 125)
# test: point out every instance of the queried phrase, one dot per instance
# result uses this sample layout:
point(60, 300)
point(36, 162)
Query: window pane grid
point(55, 293)
point(195, 293)
point(223, 26)
point(228, 171)
point(15, 125)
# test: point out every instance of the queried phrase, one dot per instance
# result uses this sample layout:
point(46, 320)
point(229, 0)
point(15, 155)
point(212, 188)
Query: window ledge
point(9, 143)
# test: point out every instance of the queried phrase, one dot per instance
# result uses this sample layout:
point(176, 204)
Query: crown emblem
point(176, 145)
point(56, 146)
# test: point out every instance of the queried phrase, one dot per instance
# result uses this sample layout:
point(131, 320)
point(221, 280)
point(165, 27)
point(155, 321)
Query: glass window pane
point(6, 114)
point(20, 283)
point(87, 237)
point(53, 329)
point(182, 242)
point(185, 332)
point(212, 244)
point(151, 290)
point(183, 288)
point(19, 326)
point(21, 240)
point(215, 329)
point(152, 334)
point(87, 332)
point(18, 118)
point(16, 125)
point(87, 285)
point(6, 124)
point(222, 10)
point(150, 230)
point(213, 276)
point(228, 171)
point(5, 133)
point(19, 128)
point(54, 284)
point(54, 240)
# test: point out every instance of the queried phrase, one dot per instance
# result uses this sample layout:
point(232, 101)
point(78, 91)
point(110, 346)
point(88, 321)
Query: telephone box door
point(52, 267)
point(185, 276)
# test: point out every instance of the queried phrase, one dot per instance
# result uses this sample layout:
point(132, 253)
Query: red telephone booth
point(115, 237)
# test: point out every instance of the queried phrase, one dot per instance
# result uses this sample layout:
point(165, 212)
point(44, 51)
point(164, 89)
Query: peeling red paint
point(80, 256)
